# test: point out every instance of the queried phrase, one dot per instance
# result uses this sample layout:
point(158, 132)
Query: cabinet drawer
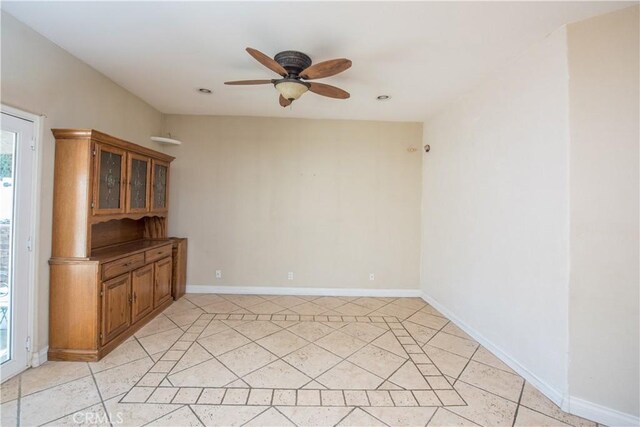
point(158, 253)
point(122, 265)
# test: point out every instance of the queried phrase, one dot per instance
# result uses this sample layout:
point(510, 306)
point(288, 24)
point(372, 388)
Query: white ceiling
point(422, 54)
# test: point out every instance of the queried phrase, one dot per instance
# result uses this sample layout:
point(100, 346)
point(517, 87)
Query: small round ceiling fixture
point(383, 97)
point(205, 91)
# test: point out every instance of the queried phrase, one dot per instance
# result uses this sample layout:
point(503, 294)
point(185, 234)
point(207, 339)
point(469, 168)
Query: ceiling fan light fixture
point(291, 89)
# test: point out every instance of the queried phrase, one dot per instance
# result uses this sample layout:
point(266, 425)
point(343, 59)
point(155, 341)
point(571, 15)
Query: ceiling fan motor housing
point(293, 61)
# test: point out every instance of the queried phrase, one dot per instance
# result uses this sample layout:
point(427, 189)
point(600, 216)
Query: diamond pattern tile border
point(155, 386)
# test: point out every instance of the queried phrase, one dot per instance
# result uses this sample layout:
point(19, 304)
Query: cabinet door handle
point(129, 299)
point(134, 297)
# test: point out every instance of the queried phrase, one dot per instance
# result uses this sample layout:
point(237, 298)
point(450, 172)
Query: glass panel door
point(160, 181)
point(139, 173)
point(110, 174)
point(16, 182)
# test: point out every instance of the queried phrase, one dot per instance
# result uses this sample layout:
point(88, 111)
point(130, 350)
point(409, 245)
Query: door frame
point(34, 357)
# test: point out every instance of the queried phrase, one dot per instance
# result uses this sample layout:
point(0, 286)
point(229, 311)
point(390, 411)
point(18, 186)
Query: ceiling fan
point(295, 68)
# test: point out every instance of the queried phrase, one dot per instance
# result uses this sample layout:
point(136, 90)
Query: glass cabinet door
point(139, 175)
point(160, 184)
point(110, 180)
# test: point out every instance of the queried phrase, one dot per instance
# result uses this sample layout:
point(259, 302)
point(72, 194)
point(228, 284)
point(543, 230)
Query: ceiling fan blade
point(267, 62)
point(328, 90)
point(325, 69)
point(284, 102)
point(249, 82)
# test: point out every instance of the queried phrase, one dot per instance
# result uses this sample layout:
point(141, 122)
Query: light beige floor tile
point(183, 417)
point(246, 359)
point(389, 342)
point(452, 329)
point(56, 402)
point(304, 416)
point(493, 380)
point(311, 331)
point(312, 360)
point(409, 377)
point(401, 313)
point(277, 375)
point(428, 320)
point(430, 310)
point(244, 301)
point(50, 374)
point(193, 356)
point(257, 329)
point(346, 375)
point(187, 395)
point(308, 398)
point(379, 398)
point(330, 302)
point(364, 331)
point(448, 363)
point(185, 318)
point(360, 418)
point(370, 303)
point(237, 396)
point(163, 366)
point(226, 415)
point(284, 397)
point(403, 398)
point(94, 416)
point(181, 305)
point(223, 342)
point(207, 374)
point(309, 308)
point(450, 397)
point(260, 396)
point(203, 299)
point(420, 333)
point(282, 343)
point(427, 398)
point(412, 303)
point(288, 301)
point(222, 307)
point(124, 353)
point(120, 379)
point(314, 385)
point(533, 399)
point(270, 418)
point(454, 344)
point(213, 327)
point(356, 398)
point(389, 386)
point(484, 356)
point(376, 360)
point(332, 398)
point(340, 343)
point(9, 389)
point(351, 309)
point(127, 414)
point(444, 418)
point(266, 307)
point(159, 324)
point(161, 341)
point(163, 395)
point(138, 394)
point(402, 416)
point(9, 413)
point(211, 396)
point(529, 418)
point(484, 408)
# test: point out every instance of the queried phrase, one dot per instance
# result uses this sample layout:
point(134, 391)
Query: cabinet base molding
point(70, 355)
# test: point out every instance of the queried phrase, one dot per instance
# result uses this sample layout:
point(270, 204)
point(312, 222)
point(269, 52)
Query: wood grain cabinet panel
point(110, 258)
point(116, 310)
point(141, 292)
point(162, 288)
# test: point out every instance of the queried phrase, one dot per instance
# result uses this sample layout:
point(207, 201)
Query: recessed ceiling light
point(205, 90)
point(383, 97)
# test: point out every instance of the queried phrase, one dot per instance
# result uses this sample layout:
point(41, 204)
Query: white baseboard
point(582, 408)
point(331, 292)
point(39, 357)
point(601, 414)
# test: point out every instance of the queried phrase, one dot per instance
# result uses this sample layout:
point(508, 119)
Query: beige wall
point(330, 201)
point(495, 231)
point(604, 284)
point(40, 77)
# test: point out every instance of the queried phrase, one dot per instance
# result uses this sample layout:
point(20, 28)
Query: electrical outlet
point(372, 276)
point(218, 274)
point(290, 275)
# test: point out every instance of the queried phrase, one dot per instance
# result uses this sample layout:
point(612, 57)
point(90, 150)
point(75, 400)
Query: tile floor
point(285, 361)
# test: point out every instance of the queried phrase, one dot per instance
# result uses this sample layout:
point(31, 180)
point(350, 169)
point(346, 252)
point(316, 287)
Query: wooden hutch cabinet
point(111, 269)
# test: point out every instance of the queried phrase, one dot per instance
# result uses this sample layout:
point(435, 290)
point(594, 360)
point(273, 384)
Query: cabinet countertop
point(111, 253)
